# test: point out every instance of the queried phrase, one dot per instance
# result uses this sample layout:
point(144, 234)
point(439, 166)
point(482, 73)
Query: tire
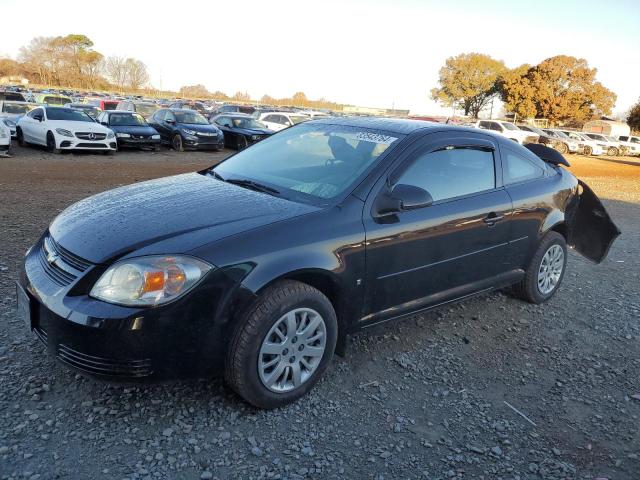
point(176, 143)
point(258, 330)
point(587, 150)
point(20, 136)
point(51, 143)
point(612, 152)
point(529, 288)
point(562, 148)
point(241, 142)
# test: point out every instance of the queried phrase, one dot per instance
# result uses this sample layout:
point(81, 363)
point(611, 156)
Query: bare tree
point(136, 74)
point(116, 71)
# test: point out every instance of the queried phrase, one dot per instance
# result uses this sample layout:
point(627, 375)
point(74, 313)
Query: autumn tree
point(268, 100)
point(633, 118)
point(299, 98)
point(115, 70)
point(469, 81)
point(194, 91)
point(241, 97)
point(560, 88)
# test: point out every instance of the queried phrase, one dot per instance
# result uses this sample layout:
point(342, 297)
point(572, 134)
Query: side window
point(451, 173)
point(496, 126)
point(224, 121)
point(270, 118)
point(483, 124)
point(169, 115)
point(519, 169)
point(623, 139)
point(33, 112)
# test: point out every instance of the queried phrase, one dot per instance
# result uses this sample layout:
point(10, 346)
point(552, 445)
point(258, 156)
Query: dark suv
point(263, 264)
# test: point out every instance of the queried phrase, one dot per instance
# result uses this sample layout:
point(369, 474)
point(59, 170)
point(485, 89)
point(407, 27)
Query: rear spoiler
point(547, 154)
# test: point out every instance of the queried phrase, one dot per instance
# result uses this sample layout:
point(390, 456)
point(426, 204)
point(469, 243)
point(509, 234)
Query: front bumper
point(66, 143)
point(184, 338)
point(202, 143)
point(138, 142)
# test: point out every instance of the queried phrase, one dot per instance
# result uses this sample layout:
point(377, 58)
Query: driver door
point(456, 246)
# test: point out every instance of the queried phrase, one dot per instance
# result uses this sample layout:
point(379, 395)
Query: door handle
point(493, 218)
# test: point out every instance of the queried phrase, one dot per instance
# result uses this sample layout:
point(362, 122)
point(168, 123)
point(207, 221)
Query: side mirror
point(104, 123)
point(402, 197)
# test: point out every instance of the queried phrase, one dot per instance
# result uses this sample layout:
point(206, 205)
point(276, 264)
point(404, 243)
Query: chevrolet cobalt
point(261, 266)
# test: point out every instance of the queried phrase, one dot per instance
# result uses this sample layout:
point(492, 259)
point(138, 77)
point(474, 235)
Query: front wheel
point(545, 271)
point(562, 148)
point(241, 142)
point(587, 150)
point(20, 136)
point(176, 143)
point(51, 143)
point(281, 345)
point(612, 152)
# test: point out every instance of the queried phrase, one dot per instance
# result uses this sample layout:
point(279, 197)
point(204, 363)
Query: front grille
point(206, 134)
point(104, 366)
point(91, 145)
point(91, 136)
point(60, 265)
point(140, 137)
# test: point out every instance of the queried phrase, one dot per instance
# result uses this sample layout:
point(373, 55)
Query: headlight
point(149, 281)
point(110, 135)
point(10, 123)
point(189, 132)
point(155, 137)
point(123, 135)
point(4, 134)
point(254, 137)
point(64, 132)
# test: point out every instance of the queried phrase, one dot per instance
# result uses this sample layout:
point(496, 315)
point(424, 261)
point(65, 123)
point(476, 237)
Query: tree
point(299, 98)
point(241, 97)
point(194, 91)
point(560, 88)
point(469, 81)
point(135, 73)
point(633, 119)
point(116, 71)
point(268, 100)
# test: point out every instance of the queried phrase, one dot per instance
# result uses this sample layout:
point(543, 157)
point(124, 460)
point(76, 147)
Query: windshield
point(67, 114)
point(634, 139)
point(146, 109)
point(296, 119)
point(509, 126)
point(190, 118)
point(529, 128)
point(15, 108)
point(596, 137)
point(562, 135)
point(126, 120)
point(247, 123)
point(313, 162)
point(610, 138)
point(50, 100)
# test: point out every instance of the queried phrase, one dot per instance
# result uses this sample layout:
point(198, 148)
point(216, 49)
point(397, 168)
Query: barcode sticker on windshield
point(375, 138)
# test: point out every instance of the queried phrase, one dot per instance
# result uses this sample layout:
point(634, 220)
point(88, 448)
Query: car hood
point(199, 128)
point(190, 209)
point(134, 129)
point(252, 131)
point(78, 126)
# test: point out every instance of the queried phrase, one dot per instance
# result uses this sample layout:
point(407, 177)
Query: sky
point(376, 53)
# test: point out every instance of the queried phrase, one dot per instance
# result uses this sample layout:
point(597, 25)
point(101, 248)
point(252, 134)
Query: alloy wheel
point(292, 350)
point(550, 269)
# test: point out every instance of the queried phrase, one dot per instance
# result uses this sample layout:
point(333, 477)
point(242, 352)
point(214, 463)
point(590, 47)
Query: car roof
point(181, 110)
point(395, 125)
point(234, 115)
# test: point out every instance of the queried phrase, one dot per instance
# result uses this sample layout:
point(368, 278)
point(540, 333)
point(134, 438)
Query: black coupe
point(265, 263)
point(240, 130)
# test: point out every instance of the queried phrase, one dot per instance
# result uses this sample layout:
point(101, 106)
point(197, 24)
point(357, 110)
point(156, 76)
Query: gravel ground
point(435, 396)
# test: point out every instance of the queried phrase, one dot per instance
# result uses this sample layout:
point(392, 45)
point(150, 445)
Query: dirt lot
point(425, 398)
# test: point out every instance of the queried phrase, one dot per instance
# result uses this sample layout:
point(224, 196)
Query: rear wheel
point(51, 143)
point(176, 143)
point(588, 150)
point(562, 148)
point(545, 271)
point(281, 345)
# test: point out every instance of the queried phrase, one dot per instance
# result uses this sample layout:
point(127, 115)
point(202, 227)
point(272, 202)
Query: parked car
point(12, 96)
point(52, 99)
point(59, 128)
point(240, 130)
point(5, 139)
point(131, 129)
point(589, 145)
point(186, 129)
point(102, 103)
point(265, 263)
point(146, 109)
point(232, 108)
point(11, 111)
point(190, 105)
point(277, 121)
point(509, 130)
point(611, 146)
point(544, 138)
point(632, 144)
point(566, 143)
point(90, 110)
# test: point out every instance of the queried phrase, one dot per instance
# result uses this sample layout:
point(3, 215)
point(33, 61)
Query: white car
point(60, 128)
point(280, 120)
point(315, 114)
point(508, 130)
point(5, 139)
point(589, 145)
point(611, 146)
point(632, 143)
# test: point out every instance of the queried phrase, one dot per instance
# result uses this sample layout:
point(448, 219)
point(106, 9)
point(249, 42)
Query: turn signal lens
point(149, 281)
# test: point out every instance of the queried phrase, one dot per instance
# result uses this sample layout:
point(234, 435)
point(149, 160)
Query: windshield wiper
point(216, 175)
point(258, 187)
